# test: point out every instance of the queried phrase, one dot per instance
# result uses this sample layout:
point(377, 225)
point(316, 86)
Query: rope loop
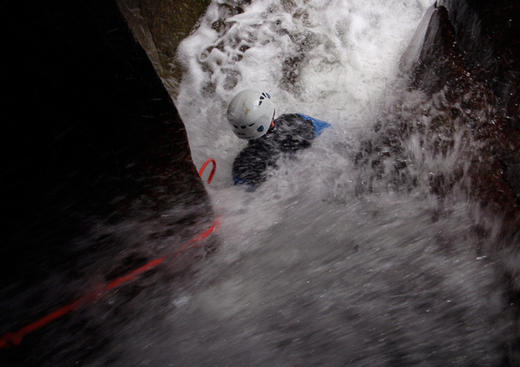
point(213, 170)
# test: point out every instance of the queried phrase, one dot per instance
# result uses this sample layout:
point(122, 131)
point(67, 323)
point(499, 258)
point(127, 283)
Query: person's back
point(251, 115)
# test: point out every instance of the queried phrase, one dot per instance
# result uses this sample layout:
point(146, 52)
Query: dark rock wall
point(160, 25)
point(470, 67)
point(486, 33)
point(91, 139)
point(460, 134)
point(471, 56)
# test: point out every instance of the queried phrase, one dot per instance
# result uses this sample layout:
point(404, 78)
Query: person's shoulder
point(318, 125)
point(289, 119)
point(291, 123)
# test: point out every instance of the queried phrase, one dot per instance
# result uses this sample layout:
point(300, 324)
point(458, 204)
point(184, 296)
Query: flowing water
point(340, 258)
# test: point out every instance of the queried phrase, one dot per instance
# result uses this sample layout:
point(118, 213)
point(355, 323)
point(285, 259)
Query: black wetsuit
point(290, 133)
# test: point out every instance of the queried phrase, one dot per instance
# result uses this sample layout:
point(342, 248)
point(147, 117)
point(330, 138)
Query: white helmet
point(250, 114)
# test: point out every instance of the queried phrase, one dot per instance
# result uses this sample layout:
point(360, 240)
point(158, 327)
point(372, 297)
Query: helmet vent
point(251, 124)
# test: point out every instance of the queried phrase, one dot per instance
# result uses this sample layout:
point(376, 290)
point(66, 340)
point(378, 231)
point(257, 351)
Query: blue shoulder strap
point(319, 125)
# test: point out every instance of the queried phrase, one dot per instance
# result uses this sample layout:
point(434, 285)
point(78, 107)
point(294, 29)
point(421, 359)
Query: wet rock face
point(98, 177)
point(464, 126)
point(159, 26)
point(471, 56)
point(455, 129)
point(487, 37)
point(468, 71)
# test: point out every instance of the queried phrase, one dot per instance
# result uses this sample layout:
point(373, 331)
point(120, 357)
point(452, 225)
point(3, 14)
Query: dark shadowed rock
point(460, 134)
point(98, 178)
point(470, 66)
point(471, 55)
point(486, 35)
point(159, 26)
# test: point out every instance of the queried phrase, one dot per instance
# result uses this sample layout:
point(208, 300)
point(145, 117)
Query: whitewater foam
point(341, 257)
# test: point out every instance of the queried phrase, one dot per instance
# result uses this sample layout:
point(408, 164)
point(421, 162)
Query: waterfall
point(342, 257)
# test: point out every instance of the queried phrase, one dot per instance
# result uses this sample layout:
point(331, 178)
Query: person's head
point(250, 114)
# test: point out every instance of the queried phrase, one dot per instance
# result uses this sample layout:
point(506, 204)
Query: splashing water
point(330, 262)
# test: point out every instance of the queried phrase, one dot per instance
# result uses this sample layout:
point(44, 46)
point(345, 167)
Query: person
point(251, 115)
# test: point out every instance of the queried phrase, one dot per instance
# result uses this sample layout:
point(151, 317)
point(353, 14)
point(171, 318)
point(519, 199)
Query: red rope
point(10, 339)
point(15, 338)
point(203, 168)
